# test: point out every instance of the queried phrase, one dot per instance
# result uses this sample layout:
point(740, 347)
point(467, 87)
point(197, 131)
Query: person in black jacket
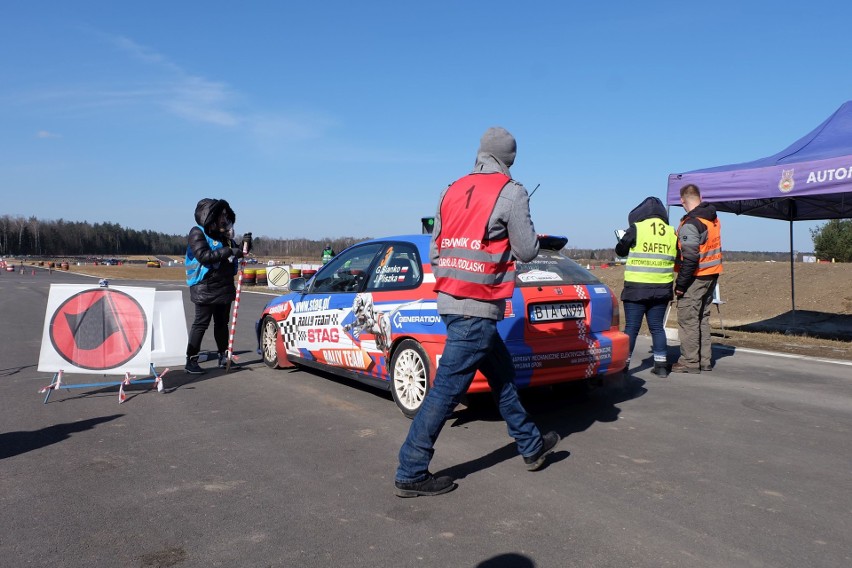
point(211, 263)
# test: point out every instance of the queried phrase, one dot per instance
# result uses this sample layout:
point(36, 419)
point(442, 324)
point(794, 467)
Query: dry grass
point(753, 292)
point(757, 295)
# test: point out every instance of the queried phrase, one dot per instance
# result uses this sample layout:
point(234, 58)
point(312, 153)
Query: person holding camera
point(211, 262)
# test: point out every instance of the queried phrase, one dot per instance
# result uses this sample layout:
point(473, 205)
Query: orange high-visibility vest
point(709, 253)
point(470, 265)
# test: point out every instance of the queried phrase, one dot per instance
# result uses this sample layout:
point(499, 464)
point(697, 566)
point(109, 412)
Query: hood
point(704, 210)
point(497, 149)
point(207, 213)
point(650, 207)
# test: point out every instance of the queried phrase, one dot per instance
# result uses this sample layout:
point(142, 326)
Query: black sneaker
point(192, 367)
point(429, 487)
point(548, 444)
point(661, 370)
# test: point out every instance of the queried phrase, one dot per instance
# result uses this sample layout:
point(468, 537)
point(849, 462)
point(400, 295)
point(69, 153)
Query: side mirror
point(298, 284)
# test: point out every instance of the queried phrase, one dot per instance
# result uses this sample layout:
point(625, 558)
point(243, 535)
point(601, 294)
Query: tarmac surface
point(749, 465)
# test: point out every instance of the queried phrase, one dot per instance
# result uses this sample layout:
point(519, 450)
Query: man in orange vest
point(482, 224)
point(698, 266)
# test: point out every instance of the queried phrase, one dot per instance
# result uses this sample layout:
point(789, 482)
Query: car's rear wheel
point(409, 377)
point(269, 342)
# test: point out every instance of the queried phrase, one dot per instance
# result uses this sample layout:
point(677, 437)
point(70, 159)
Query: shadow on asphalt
point(566, 409)
point(15, 443)
point(508, 560)
point(718, 351)
point(837, 327)
point(178, 379)
point(173, 380)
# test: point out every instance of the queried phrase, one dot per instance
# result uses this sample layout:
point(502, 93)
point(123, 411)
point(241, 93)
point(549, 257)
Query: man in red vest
point(482, 224)
point(698, 266)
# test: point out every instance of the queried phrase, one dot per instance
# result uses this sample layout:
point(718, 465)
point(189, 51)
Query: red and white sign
point(97, 330)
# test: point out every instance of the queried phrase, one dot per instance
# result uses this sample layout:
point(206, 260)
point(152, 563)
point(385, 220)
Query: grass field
point(756, 309)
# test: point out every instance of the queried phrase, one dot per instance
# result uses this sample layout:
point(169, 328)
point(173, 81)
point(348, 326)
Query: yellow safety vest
point(652, 258)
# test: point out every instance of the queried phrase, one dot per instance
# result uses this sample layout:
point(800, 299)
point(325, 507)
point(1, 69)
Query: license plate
point(557, 311)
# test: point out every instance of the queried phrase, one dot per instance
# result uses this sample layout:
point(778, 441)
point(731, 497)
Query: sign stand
point(671, 332)
point(717, 299)
point(108, 330)
point(156, 378)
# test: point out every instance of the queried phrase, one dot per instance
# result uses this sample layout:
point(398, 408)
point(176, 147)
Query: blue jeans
point(472, 344)
point(655, 312)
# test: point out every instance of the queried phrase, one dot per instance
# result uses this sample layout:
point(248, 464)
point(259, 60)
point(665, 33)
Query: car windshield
point(552, 268)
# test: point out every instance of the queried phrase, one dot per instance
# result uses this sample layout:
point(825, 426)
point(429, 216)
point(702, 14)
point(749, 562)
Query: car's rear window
point(551, 268)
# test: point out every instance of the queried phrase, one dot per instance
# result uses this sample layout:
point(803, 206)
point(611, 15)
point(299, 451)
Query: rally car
point(370, 314)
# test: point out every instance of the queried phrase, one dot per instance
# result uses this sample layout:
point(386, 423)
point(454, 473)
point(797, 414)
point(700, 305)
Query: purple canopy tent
point(809, 180)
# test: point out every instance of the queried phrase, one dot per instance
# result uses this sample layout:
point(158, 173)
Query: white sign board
point(110, 330)
point(168, 343)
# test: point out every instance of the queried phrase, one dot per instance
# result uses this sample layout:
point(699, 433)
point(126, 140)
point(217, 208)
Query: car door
point(322, 317)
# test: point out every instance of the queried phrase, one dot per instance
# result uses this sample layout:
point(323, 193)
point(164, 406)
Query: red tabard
point(469, 266)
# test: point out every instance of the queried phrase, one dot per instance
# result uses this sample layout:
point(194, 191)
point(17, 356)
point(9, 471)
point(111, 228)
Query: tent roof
point(809, 180)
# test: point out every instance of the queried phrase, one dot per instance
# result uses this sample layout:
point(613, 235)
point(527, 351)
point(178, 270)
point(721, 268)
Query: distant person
point(699, 264)
point(327, 254)
point(211, 263)
point(650, 245)
point(486, 217)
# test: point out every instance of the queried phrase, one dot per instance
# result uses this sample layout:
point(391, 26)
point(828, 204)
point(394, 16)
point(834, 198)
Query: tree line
point(597, 256)
point(21, 236)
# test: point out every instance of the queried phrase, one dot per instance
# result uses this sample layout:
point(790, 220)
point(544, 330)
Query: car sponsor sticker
point(350, 358)
point(539, 276)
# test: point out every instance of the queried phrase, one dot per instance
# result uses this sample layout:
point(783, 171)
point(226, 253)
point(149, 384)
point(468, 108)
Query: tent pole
point(792, 276)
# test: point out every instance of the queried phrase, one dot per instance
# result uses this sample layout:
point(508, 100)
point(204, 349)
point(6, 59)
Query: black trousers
point(220, 314)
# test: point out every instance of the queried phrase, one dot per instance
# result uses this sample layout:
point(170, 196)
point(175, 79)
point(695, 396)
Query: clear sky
point(341, 118)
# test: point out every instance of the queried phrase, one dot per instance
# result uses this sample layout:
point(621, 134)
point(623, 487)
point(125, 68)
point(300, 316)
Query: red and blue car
point(370, 315)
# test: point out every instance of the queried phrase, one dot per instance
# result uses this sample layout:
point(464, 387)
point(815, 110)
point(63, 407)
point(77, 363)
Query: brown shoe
point(707, 367)
point(681, 368)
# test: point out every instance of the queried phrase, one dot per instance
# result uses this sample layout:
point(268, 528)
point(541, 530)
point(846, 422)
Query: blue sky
point(335, 119)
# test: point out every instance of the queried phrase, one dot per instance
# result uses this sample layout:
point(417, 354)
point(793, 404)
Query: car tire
point(269, 342)
point(409, 377)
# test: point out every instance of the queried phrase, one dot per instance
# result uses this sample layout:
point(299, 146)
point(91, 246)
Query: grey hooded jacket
point(511, 217)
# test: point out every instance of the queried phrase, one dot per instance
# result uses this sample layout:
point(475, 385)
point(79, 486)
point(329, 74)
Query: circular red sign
point(99, 329)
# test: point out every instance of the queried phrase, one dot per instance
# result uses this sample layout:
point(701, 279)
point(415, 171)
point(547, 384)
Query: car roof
point(416, 238)
point(547, 242)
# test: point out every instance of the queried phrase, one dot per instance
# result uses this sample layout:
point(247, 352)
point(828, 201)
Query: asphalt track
point(747, 466)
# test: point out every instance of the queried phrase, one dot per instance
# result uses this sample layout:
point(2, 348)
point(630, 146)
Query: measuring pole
point(230, 353)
